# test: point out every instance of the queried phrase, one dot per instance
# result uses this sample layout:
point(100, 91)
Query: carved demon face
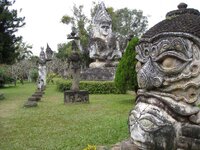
point(168, 73)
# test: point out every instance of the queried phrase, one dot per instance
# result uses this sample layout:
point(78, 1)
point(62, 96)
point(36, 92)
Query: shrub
point(93, 87)
point(5, 77)
point(125, 77)
point(34, 75)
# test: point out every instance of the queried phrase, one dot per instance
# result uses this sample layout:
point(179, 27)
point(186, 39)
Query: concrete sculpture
point(167, 112)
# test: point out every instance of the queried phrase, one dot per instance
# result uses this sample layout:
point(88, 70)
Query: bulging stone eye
point(171, 62)
point(148, 125)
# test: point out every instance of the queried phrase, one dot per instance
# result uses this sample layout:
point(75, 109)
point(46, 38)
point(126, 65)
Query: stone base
point(37, 95)
point(30, 104)
point(76, 96)
point(99, 74)
point(34, 98)
point(125, 145)
point(39, 92)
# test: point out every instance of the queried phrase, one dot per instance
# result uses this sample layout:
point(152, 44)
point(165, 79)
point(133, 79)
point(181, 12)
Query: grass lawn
point(55, 126)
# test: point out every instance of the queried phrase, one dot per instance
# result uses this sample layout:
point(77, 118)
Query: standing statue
point(104, 47)
point(42, 66)
point(74, 65)
point(42, 70)
point(167, 112)
point(74, 61)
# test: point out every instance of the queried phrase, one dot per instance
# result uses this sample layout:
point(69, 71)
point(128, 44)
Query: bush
point(34, 75)
point(5, 77)
point(126, 77)
point(93, 87)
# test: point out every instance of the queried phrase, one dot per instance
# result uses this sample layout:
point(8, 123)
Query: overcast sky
point(43, 16)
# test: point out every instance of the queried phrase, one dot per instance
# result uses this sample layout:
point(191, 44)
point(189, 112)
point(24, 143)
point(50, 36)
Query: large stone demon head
point(167, 112)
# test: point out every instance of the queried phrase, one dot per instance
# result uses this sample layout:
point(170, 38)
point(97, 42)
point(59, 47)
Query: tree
point(129, 22)
point(23, 50)
point(79, 21)
point(9, 24)
point(125, 21)
point(125, 77)
point(64, 50)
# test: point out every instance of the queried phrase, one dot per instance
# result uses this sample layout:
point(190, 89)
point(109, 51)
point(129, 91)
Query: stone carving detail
point(104, 46)
point(166, 115)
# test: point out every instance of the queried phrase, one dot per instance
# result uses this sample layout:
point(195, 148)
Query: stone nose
point(148, 77)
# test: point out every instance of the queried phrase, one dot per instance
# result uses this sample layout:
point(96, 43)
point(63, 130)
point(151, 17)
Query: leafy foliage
point(93, 87)
point(9, 24)
point(23, 50)
point(129, 22)
point(34, 75)
point(125, 77)
point(5, 76)
point(64, 50)
point(79, 21)
point(125, 21)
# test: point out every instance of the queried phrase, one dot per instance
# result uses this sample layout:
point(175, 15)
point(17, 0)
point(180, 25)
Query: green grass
point(55, 126)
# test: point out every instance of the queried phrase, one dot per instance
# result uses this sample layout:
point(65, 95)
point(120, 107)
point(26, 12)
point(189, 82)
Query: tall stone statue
point(74, 61)
point(167, 112)
point(104, 47)
point(74, 65)
point(42, 72)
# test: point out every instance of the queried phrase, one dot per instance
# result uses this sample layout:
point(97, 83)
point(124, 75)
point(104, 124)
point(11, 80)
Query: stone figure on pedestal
point(104, 47)
point(42, 72)
point(74, 61)
point(74, 65)
point(166, 115)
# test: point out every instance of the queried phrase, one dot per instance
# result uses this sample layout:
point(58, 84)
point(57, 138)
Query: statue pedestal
point(76, 96)
point(98, 74)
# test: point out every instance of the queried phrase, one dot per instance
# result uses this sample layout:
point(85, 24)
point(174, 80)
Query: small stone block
point(34, 98)
point(76, 96)
point(37, 95)
point(30, 104)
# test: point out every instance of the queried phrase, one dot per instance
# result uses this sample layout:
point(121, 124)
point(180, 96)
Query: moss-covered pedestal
point(76, 96)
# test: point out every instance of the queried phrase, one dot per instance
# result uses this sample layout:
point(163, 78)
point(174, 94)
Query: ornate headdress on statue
point(42, 53)
point(101, 15)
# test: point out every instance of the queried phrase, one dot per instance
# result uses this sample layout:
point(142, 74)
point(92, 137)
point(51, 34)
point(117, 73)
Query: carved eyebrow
point(180, 56)
point(140, 57)
point(176, 44)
